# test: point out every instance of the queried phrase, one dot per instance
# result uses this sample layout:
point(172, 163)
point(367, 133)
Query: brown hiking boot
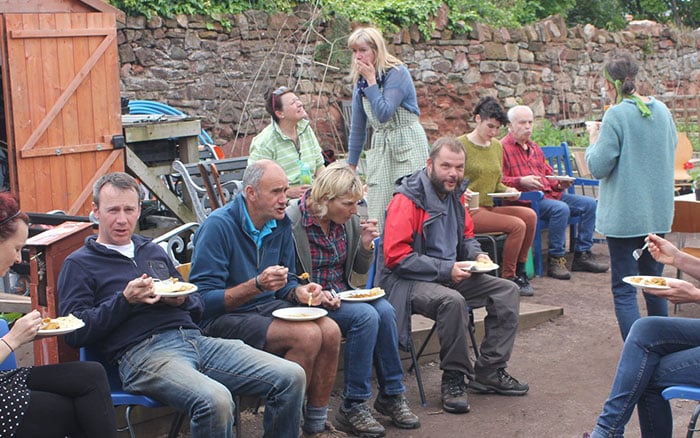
point(454, 395)
point(586, 261)
point(557, 268)
point(358, 420)
point(397, 408)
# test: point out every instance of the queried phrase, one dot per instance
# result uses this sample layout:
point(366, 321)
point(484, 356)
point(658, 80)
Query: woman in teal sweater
point(483, 169)
point(633, 156)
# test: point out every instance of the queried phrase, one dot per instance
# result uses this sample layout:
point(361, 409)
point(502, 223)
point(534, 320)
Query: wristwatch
point(257, 284)
point(293, 295)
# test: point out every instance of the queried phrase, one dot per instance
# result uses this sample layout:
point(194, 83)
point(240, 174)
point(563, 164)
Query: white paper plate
point(504, 195)
point(561, 177)
point(352, 295)
point(300, 313)
point(61, 331)
point(642, 280)
point(475, 267)
point(191, 288)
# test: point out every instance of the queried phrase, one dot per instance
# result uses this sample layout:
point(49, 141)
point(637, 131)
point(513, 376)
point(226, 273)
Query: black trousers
point(68, 399)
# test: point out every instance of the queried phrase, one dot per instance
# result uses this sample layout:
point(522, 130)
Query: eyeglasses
point(278, 92)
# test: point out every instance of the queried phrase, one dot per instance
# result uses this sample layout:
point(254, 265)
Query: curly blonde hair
point(335, 181)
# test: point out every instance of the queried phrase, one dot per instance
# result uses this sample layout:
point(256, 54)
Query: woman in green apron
point(383, 96)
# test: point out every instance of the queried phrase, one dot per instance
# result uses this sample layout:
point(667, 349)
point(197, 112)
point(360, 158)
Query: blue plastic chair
point(123, 398)
point(10, 362)
point(560, 160)
point(371, 274)
point(687, 393)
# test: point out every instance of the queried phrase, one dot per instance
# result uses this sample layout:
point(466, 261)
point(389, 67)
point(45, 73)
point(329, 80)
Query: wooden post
point(47, 251)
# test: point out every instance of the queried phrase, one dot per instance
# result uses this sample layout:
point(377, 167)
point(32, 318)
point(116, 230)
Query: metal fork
point(637, 253)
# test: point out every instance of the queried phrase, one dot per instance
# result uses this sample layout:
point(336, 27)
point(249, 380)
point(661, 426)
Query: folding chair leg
point(471, 327)
point(422, 347)
point(419, 379)
point(693, 421)
point(129, 426)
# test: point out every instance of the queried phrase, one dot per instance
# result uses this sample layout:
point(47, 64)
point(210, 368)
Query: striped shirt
point(272, 144)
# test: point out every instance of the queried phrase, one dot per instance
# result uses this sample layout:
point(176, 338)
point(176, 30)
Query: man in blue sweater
point(243, 265)
point(108, 283)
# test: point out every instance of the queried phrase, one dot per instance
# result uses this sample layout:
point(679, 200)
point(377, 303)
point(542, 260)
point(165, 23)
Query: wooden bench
point(207, 185)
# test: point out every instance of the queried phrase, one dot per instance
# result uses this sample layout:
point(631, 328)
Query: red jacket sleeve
point(404, 219)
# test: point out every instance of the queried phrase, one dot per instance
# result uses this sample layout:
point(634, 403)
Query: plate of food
point(561, 177)
point(173, 287)
point(360, 295)
point(504, 195)
point(300, 313)
point(647, 281)
point(475, 266)
point(60, 325)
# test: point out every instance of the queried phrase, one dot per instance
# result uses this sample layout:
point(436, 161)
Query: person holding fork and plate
point(332, 243)
point(243, 266)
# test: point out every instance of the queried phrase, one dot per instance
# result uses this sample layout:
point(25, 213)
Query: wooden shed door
point(63, 79)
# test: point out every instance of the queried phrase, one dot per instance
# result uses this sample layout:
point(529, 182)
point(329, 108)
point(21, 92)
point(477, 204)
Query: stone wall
point(220, 75)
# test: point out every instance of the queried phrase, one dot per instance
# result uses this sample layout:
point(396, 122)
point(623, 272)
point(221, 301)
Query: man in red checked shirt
point(525, 168)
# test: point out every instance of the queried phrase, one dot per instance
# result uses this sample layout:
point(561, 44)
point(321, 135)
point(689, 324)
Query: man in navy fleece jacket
point(108, 283)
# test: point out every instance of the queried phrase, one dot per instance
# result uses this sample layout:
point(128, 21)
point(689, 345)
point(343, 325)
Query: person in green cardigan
point(483, 170)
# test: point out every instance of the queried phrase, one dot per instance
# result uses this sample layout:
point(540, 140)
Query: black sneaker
point(397, 408)
point(585, 261)
point(358, 420)
point(498, 382)
point(454, 396)
point(523, 285)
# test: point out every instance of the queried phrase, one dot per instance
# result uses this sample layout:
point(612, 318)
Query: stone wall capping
point(529, 32)
point(481, 32)
point(449, 43)
point(136, 22)
point(155, 22)
point(501, 35)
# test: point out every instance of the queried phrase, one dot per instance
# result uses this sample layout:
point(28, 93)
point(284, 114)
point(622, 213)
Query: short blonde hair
point(383, 60)
point(335, 181)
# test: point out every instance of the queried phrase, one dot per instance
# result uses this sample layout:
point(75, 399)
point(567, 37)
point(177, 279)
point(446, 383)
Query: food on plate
point(369, 294)
point(63, 322)
point(649, 281)
point(172, 285)
point(300, 315)
point(483, 264)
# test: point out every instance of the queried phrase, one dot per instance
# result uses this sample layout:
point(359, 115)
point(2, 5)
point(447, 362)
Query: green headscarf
point(643, 108)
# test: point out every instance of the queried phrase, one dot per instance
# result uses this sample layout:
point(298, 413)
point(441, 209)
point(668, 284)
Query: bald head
point(256, 171)
point(265, 190)
point(521, 123)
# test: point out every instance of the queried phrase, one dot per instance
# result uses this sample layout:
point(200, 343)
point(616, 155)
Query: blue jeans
point(197, 374)
point(658, 353)
point(370, 334)
point(622, 264)
point(557, 213)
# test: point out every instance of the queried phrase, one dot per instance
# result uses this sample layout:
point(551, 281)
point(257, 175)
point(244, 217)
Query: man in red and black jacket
point(428, 240)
